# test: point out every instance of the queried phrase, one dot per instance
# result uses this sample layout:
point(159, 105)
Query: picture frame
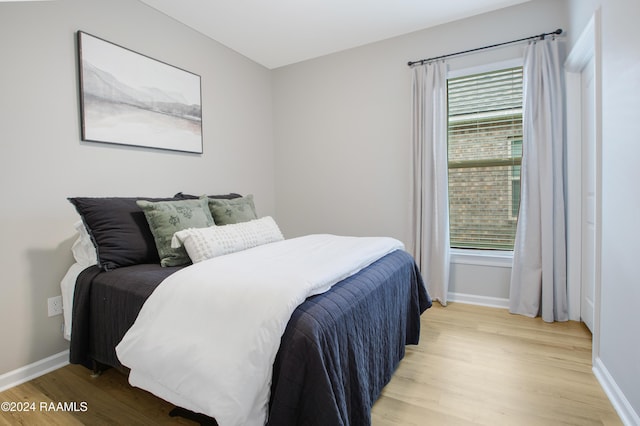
point(131, 99)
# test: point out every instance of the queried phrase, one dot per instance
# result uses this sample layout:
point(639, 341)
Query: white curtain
point(430, 201)
point(538, 277)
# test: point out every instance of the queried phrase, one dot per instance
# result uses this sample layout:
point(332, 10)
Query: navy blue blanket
point(341, 348)
point(105, 306)
point(338, 351)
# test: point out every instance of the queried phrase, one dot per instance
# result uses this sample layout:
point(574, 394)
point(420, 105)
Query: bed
point(337, 350)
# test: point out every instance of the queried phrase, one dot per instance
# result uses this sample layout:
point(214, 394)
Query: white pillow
point(206, 243)
point(84, 252)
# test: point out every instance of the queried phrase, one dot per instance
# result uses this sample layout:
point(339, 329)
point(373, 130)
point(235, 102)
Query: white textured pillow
point(206, 243)
point(84, 252)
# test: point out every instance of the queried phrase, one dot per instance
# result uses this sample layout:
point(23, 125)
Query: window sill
point(496, 258)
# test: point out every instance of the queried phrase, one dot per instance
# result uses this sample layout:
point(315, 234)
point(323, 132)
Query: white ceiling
point(275, 33)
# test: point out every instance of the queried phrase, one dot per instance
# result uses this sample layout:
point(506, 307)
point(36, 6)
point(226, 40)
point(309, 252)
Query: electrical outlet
point(54, 306)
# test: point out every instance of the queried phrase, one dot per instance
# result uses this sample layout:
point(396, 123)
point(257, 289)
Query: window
point(485, 153)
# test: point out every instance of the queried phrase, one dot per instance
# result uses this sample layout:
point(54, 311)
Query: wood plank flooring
point(484, 366)
point(473, 366)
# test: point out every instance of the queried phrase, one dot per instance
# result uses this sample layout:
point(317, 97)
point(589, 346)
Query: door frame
point(587, 46)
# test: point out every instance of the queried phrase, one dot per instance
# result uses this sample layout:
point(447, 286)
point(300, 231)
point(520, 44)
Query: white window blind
point(485, 153)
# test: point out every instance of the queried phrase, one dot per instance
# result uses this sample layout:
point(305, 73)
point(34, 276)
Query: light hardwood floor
point(473, 366)
point(477, 365)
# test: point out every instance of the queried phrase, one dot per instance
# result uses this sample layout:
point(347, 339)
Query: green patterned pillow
point(168, 217)
point(236, 210)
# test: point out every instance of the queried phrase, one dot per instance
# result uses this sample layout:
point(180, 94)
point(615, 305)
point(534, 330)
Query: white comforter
point(207, 337)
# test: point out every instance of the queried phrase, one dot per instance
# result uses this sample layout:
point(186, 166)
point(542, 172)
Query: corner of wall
point(620, 403)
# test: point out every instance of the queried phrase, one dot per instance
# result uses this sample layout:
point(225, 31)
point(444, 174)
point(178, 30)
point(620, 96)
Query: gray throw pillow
point(236, 210)
point(168, 217)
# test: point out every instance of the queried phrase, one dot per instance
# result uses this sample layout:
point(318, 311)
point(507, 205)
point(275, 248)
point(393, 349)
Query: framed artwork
point(130, 99)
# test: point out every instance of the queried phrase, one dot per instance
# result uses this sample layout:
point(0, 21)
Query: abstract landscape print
point(131, 99)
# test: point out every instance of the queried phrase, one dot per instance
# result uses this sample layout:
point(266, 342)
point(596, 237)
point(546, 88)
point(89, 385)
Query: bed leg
point(190, 415)
point(97, 369)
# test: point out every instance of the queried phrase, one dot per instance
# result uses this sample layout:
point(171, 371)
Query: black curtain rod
point(540, 36)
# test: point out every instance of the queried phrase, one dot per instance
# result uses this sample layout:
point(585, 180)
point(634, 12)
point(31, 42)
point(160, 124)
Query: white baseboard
point(472, 299)
point(31, 371)
point(622, 406)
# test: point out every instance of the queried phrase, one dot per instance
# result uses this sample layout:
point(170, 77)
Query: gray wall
point(43, 161)
point(619, 346)
point(342, 127)
point(619, 341)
